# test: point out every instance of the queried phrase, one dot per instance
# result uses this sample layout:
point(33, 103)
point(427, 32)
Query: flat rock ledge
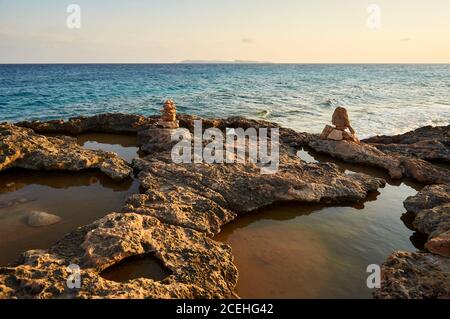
point(104, 123)
point(397, 164)
point(427, 143)
point(204, 197)
point(23, 148)
point(182, 206)
point(132, 124)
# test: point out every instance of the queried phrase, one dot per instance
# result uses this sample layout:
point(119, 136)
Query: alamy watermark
point(73, 20)
point(74, 278)
point(374, 279)
point(374, 19)
point(235, 146)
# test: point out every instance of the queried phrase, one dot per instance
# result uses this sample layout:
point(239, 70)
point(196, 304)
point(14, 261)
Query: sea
point(380, 98)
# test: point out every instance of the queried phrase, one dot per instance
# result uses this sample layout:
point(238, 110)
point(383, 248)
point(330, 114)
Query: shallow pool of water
point(310, 251)
point(147, 266)
point(122, 145)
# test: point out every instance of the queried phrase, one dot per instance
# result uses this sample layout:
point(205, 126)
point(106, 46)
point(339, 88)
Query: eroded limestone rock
point(397, 166)
point(426, 133)
point(23, 148)
point(433, 221)
point(206, 196)
point(407, 275)
point(431, 210)
point(429, 197)
point(183, 205)
point(440, 244)
point(428, 143)
point(201, 267)
point(431, 207)
point(102, 123)
point(426, 150)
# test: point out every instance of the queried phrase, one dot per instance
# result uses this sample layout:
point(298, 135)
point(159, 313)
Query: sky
point(281, 31)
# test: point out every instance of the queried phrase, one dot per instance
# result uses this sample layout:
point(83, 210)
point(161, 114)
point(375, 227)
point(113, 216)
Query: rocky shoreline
point(182, 206)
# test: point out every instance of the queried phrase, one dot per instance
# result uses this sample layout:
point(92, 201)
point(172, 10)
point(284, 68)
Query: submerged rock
point(14, 201)
point(407, 275)
point(39, 219)
point(23, 148)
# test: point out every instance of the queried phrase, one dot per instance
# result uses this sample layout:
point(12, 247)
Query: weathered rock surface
point(438, 133)
point(201, 267)
point(415, 276)
point(427, 150)
point(429, 197)
point(155, 139)
point(397, 166)
point(206, 196)
point(436, 223)
point(431, 210)
point(428, 143)
point(102, 123)
point(130, 123)
point(440, 244)
point(288, 136)
point(39, 219)
point(433, 221)
point(23, 148)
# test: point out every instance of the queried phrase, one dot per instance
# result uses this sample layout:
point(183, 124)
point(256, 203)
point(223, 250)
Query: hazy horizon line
point(237, 62)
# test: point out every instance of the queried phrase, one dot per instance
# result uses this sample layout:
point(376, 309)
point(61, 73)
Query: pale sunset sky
point(285, 31)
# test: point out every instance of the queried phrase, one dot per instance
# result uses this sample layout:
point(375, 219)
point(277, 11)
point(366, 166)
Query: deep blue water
point(380, 98)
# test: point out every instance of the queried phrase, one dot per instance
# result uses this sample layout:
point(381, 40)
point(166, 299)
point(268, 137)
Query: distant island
point(223, 62)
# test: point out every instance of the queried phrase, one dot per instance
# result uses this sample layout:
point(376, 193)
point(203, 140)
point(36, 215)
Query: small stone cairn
point(342, 130)
point(159, 136)
point(169, 116)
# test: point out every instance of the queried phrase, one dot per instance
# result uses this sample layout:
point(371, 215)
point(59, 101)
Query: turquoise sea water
point(385, 99)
